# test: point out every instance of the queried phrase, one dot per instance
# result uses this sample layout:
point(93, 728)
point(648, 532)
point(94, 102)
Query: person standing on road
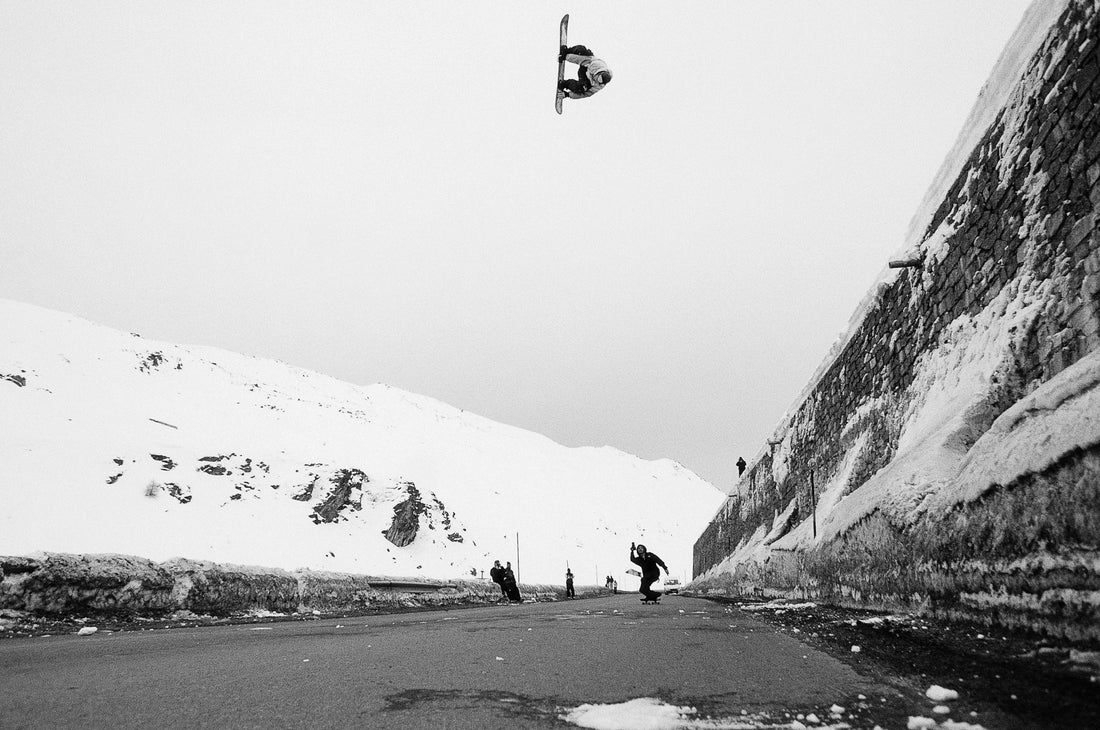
point(569, 592)
point(497, 574)
point(648, 562)
point(511, 589)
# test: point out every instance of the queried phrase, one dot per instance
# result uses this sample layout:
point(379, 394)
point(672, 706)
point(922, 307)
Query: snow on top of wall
point(1061, 416)
point(947, 451)
point(946, 411)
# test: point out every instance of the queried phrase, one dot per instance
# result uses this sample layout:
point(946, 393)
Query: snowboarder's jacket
point(591, 68)
point(649, 564)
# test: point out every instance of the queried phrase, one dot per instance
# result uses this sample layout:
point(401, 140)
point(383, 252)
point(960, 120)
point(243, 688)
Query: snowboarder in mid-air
point(592, 73)
point(648, 562)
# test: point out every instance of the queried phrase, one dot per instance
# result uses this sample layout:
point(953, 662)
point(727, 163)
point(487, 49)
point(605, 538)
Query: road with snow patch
point(605, 662)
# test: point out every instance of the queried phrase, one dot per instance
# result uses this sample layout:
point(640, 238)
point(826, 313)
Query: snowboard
point(654, 601)
point(559, 94)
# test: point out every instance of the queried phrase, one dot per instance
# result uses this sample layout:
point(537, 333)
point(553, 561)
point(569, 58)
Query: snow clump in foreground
point(941, 694)
point(649, 713)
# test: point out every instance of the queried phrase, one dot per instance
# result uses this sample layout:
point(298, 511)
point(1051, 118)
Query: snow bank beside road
point(61, 584)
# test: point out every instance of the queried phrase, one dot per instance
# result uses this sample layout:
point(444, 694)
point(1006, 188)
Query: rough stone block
point(1090, 286)
point(1092, 262)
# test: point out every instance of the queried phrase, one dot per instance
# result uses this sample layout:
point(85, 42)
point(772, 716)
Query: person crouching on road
point(648, 562)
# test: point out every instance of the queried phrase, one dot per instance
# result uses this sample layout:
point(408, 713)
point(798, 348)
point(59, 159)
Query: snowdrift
point(113, 443)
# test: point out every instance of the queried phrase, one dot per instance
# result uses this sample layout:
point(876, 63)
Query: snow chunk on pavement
point(774, 605)
point(87, 631)
point(649, 713)
point(937, 693)
point(644, 713)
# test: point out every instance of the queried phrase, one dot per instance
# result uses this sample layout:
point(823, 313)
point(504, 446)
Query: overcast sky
point(382, 192)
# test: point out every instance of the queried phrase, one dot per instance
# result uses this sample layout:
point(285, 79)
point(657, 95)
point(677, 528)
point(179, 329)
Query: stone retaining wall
point(1008, 291)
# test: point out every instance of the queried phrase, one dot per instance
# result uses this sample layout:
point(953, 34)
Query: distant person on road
point(648, 562)
point(569, 592)
point(497, 574)
point(511, 589)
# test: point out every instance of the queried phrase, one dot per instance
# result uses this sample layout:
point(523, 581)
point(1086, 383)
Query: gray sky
point(382, 192)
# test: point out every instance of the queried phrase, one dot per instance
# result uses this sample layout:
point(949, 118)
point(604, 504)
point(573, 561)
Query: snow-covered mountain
point(110, 442)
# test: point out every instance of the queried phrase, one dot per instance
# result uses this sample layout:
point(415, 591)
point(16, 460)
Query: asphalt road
point(501, 666)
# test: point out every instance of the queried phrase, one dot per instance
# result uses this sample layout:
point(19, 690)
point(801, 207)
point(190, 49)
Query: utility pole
point(517, 556)
point(813, 502)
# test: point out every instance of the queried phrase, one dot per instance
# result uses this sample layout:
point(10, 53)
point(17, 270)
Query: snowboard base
point(559, 94)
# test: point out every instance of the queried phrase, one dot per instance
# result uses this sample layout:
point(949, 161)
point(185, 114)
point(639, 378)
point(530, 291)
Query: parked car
point(672, 585)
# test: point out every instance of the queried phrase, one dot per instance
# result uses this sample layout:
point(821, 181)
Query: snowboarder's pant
point(647, 581)
point(580, 84)
point(577, 86)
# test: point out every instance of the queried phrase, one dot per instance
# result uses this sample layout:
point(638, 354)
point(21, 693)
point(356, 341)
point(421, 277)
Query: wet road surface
point(519, 666)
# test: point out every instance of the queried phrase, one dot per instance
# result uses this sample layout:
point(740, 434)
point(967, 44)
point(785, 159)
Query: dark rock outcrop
point(406, 517)
point(346, 493)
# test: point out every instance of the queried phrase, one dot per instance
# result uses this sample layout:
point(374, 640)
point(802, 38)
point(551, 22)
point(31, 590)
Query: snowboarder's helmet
point(604, 77)
point(641, 548)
